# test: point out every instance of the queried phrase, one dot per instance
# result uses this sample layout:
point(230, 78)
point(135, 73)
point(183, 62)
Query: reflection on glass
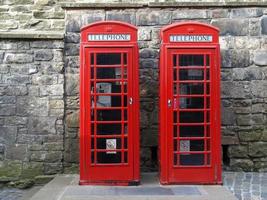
point(191, 60)
point(108, 58)
point(191, 88)
point(192, 102)
point(191, 117)
point(191, 131)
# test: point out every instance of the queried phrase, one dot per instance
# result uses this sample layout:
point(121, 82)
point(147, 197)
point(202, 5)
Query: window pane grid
point(190, 149)
point(109, 110)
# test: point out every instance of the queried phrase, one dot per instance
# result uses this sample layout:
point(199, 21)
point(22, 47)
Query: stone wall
point(31, 108)
point(243, 42)
point(39, 82)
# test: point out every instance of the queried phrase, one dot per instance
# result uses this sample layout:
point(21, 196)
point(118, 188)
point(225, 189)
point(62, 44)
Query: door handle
point(169, 103)
point(130, 100)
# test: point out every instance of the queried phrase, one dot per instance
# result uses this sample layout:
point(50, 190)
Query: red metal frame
point(171, 171)
point(127, 171)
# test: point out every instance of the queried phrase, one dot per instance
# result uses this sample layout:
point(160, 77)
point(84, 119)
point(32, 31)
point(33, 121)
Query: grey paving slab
point(67, 188)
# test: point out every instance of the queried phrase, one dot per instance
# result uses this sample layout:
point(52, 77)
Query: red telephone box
point(190, 148)
point(109, 104)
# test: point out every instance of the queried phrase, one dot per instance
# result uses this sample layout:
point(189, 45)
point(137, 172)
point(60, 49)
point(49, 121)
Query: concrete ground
point(66, 187)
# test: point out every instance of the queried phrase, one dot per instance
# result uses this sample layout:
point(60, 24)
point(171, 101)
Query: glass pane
point(191, 131)
point(191, 74)
point(125, 157)
point(191, 117)
point(108, 73)
point(191, 88)
point(109, 87)
point(108, 58)
point(109, 129)
point(192, 159)
point(107, 115)
point(196, 145)
point(109, 157)
point(207, 60)
point(208, 159)
point(191, 60)
point(191, 102)
point(92, 157)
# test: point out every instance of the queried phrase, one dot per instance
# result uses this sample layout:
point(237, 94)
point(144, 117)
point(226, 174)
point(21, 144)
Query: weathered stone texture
point(30, 91)
point(39, 89)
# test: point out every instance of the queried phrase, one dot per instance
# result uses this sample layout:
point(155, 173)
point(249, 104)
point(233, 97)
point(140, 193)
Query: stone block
point(10, 170)
point(72, 102)
point(42, 125)
point(249, 136)
point(244, 120)
point(254, 27)
point(258, 88)
point(220, 13)
point(38, 79)
point(53, 168)
point(51, 90)
point(73, 119)
point(15, 90)
point(56, 103)
point(264, 25)
point(72, 49)
point(77, 19)
point(260, 58)
point(72, 62)
point(33, 106)
point(228, 116)
point(17, 152)
point(189, 14)
point(18, 58)
point(7, 99)
point(16, 120)
point(241, 165)
point(235, 58)
point(47, 44)
point(124, 16)
point(148, 63)
point(46, 156)
point(236, 89)
point(71, 154)
point(151, 17)
point(234, 27)
point(149, 53)
point(49, 14)
point(144, 34)
point(72, 38)
point(246, 12)
point(258, 149)
point(247, 74)
point(238, 151)
point(7, 109)
point(72, 84)
point(43, 55)
point(16, 79)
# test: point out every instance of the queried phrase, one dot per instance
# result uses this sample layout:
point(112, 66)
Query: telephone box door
point(190, 105)
point(190, 116)
point(109, 108)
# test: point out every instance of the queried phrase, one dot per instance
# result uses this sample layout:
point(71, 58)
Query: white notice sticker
point(184, 145)
point(111, 144)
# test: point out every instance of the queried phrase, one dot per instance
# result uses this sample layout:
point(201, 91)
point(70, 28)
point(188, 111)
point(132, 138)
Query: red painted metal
point(99, 165)
point(190, 144)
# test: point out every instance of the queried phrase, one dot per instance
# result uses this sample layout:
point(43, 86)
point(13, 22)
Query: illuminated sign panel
point(190, 38)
